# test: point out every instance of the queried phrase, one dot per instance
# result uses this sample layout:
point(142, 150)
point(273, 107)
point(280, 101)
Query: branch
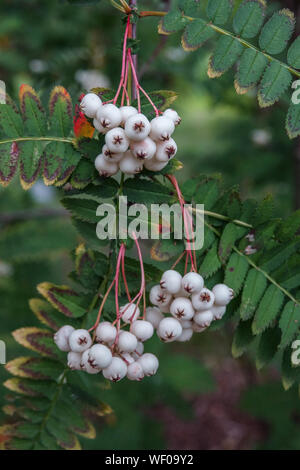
point(38, 139)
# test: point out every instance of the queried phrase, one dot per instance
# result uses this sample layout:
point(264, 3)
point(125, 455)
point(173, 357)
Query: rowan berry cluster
point(132, 142)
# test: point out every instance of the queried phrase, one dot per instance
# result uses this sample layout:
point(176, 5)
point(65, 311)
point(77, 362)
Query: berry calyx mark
point(179, 313)
point(162, 284)
point(165, 137)
point(169, 335)
point(138, 126)
point(170, 151)
point(116, 379)
point(82, 340)
point(108, 153)
point(161, 298)
point(92, 363)
point(188, 288)
point(205, 297)
point(141, 155)
point(117, 140)
point(104, 123)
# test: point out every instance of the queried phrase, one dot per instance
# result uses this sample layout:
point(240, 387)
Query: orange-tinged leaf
point(34, 368)
point(37, 340)
point(46, 314)
point(157, 254)
point(89, 432)
point(81, 125)
point(62, 298)
point(72, 444)
point(61, 110)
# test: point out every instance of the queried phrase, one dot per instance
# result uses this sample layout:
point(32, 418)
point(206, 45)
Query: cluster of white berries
point(193, 307)
point(114, 354)
point(131, 141)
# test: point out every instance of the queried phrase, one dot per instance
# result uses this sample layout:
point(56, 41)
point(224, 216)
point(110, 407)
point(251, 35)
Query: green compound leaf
point(292, 123)
point(172, 22)
point(235, 272)
point(63, 299)
point(267, 347)
point(293, 55)
point(32, 111)
point(9, 159)
point(277, 32)
point(226, 54)
point(31, 160)
point(268, 309)
point(196, 34)
point(275, 82)
point(60, 110)
point(211, 262)
point(60, 160)
point(228, 237)
point(254, 288)
point(218, 11)
point(82, 209)
point(139, 190)
point(249, 18)
point(289, 323)
point(242, 339)
point(250, 70)
point(83, 174)
point(11, 122)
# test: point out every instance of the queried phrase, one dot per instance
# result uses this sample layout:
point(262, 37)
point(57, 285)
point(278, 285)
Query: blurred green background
point(201, 398)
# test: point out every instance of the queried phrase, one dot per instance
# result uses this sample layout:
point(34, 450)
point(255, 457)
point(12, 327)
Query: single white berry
point(90, 104)
point(182, 309)
point(173, 115)
point(135, 371)
point(109, 116)
point(100, 356)
point(223, 294)
point(144, 149)
point(154, 316)
point(137, 127)
point(106, 333)
point(104, 167)
point(111, 156)
point(98, 126)
point(80, 340)
point(61, 337)
point(169, 329)
point(142, 329)
point(127, 358)
point(149, 363)
point(116, 370)
point(116, 140)
point(203, 318)
point(87, 365)
point(192, 283)
point(74, 360)
point(171, 281)
point(127, 112)
point(165, 151)
point(129, 313)
point(130, 165)
point(197, 328)
point(218, 311)
point(162, 128)
point(186, 323)
point(203, 300)
point(159, 297)
point(154, 165)
point(186, 335)
point(127, 342)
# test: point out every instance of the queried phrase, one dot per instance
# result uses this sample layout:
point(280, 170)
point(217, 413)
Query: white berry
point(173, 115)
point(74, 360)
point(159, 297)
point(127, 342)
point(169, 329)
point(135, 371)
point(111, 156)
point(130, 165)
point(223, 294)
point(171, 281)
point(137, 127)
point(80, 340)
point(109, 116)
point(116, 370)
point(218, 311)
point(197, 328)
point(192, 283)
point(116, 140)
point(165, 151)
point(186, 335)
point(90, 104)
point(149, 363)
point(203, 300)
point(129, 313)
point(182, 309)
point(61, 337)
point(154, 316)
point(98, 126)
point(104, 167)
point(144, 149)
point(127, 112)
point(100, 356)
point(106, 333)
point(87, 365)
point(154, 165)
point(162, 128)
point(203, 318)
point(142, 329)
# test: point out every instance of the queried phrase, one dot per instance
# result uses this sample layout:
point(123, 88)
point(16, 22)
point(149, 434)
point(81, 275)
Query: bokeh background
point(201, 398)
